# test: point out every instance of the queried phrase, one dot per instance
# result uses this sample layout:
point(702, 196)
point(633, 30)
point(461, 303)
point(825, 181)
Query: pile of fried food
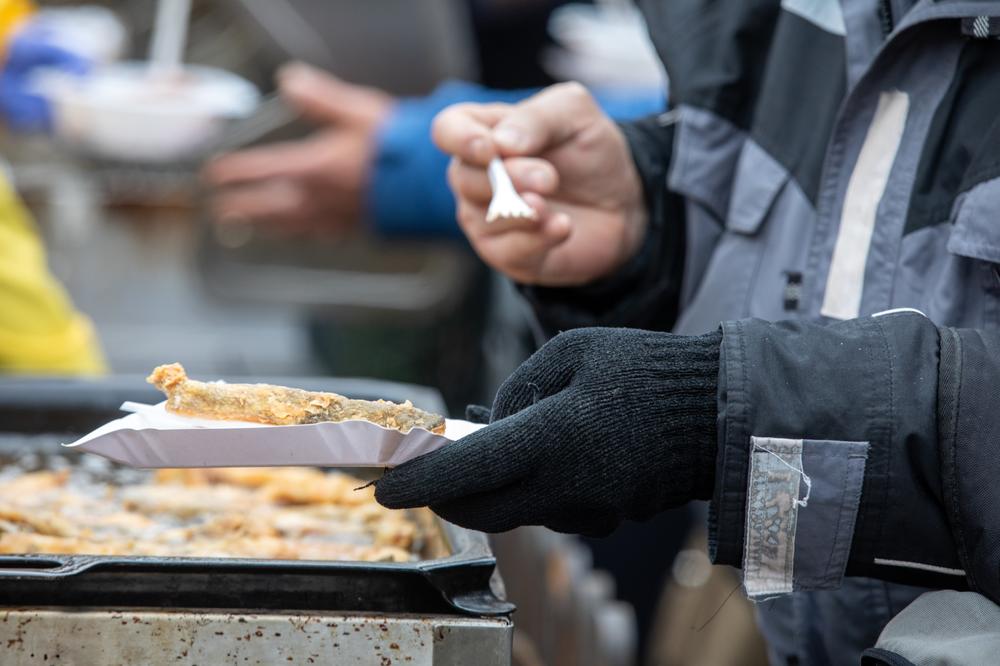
point(275, 513)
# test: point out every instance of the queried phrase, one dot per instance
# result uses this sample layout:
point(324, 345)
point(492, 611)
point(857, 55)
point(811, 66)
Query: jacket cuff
point(728, 505)
point(827, 454)
point(968, 433)
point(406, 168)
point(644, 293)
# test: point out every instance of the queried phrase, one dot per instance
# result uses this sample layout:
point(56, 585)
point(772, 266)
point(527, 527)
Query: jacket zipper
point(885, 17)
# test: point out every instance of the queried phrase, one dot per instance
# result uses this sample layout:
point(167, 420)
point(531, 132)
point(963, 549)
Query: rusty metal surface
point(155, 638)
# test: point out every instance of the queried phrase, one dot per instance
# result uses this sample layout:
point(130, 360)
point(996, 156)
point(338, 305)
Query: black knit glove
point(599, 425)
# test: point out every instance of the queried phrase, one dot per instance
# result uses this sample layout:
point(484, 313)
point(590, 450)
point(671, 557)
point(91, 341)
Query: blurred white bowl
point(124, 111)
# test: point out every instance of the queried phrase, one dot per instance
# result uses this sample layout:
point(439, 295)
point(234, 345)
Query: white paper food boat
point(152, 437)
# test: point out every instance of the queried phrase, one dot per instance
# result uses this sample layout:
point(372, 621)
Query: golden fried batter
point(27, 542)
point(51, 524)
point(36, 482)
point(283, 513)
point(280, 405)
point(247, 477)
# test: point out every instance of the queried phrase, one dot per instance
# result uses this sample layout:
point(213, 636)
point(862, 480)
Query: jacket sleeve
point(645, 292)
point(867, 447)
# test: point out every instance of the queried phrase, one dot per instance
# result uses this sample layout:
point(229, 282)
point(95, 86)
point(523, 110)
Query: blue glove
point(31, 50)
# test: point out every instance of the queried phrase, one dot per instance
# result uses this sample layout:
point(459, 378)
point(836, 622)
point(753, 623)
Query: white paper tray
point(151, 437)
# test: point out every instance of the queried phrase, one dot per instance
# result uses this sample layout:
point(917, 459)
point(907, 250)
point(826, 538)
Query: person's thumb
point(545, 120)
point(323, 98)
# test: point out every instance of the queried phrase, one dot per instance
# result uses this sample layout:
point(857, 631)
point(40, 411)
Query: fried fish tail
point(280, 405)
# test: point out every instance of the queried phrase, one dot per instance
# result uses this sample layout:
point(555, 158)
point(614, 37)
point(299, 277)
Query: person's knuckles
point(298, 92)
point(535, 174)
point(322, 97)
point(450, 127)
point(276, 160)
point(258, 203)
point(526, 130)
point(518, 135)
point(519, 391)
point(578, 344)
point(226, 211)
point(566, 347)
point(222, 170)
point(295, 73)
point(310, 82)
point(543, 119)
point(471, 219)
point(529, 401)
point(521, 245)
point(501, 261)
point(574, 96)
point(557, 228)
point(469, 182)
point(457, 131)
point(547, 372)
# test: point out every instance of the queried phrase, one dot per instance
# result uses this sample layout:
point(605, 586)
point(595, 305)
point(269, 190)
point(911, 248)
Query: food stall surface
point(111, 638)
point(445, 608)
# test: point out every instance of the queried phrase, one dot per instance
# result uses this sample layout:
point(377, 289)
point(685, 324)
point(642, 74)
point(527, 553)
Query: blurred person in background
point(371, 156)
point(40, 331)
point(370, 159)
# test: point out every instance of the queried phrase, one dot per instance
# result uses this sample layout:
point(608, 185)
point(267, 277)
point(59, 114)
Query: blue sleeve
point(409, 194)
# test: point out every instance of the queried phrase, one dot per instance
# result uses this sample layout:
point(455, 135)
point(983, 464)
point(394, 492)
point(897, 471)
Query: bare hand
point(317, 182)
point(572, 165)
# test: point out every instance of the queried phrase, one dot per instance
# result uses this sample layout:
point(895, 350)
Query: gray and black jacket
point(824, 162)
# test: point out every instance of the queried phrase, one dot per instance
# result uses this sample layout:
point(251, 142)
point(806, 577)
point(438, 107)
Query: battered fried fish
point(280, 405)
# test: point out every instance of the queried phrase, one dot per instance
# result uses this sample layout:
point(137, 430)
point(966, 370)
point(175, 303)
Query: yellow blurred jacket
point(40, 332)
point(12, 14)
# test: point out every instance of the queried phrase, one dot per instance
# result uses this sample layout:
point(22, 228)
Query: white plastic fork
point(506, 202)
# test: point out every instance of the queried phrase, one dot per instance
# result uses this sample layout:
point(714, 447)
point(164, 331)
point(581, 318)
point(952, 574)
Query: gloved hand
point(598, 426)
point(22, 108)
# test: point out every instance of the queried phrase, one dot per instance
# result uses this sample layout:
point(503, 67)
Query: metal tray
point(462, 582)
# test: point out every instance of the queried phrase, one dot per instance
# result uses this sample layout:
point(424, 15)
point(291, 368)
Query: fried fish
point(280, 405)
